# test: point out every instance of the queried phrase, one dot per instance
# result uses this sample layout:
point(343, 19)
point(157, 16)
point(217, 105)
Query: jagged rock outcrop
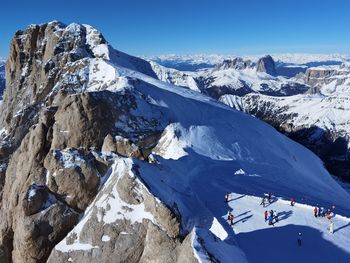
point(322, 76)
point(236, 63)
point(60, 131)
point(266, 64)
point(2, 78)
point(143, 226)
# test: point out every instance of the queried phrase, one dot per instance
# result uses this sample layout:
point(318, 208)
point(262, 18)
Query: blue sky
point(151, 27)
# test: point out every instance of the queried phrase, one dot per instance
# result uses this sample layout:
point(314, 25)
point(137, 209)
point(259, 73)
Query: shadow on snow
point(279, 244)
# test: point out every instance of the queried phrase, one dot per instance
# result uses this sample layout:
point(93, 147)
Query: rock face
point(322, 76)
point(236, 63)
point(144, 226)
point(266, 64)
point(2, 78)
point(56, 117)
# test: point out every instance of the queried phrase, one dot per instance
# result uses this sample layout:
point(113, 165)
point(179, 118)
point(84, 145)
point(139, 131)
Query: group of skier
point(267, 199)
point(321, 212)
point(230, 218)
point(272, 216)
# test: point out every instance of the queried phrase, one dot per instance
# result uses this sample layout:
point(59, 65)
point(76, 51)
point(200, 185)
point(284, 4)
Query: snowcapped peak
point(97, 42)
point(74, 28)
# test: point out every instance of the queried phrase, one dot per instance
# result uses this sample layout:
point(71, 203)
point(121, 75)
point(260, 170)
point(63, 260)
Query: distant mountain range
point(286, 64)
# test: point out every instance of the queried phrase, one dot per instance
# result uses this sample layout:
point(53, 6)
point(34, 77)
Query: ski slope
point(278, 243)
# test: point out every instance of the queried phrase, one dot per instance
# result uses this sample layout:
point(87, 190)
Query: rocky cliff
point(322, 76)
point(2, 78)
point(266, 64)
point(52, 135)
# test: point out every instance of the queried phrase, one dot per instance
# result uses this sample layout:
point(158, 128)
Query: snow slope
point(174, 76)
point(209, 149)
point(331, 113)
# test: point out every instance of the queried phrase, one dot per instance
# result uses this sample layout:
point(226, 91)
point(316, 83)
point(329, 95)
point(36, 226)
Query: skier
point(226, 197)
point(331, 227)
point(333, 210)
point(231, 218)
point(328, 214)
point(315, 211)
point(271, 213)
point(228, 215)
point(265, 215)
point(271, 220)
point(292, 201)
point(299, 239)
point(263, 201)
point(319, 212)
point(269, 197)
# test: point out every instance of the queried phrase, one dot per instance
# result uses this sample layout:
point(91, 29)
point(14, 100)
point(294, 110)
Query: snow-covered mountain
point(111, 162)
point(235, 77)
point(240, 77)
point(319, 119)
point(287, 64)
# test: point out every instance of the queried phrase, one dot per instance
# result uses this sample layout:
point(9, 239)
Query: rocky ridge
point(52, 137)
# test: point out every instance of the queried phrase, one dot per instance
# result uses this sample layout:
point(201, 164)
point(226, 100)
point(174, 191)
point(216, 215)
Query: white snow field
point(208, 150)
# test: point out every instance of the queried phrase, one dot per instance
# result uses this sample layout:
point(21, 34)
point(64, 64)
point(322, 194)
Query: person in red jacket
point(265, 215)
point(292, 201)
point(231, 218)
point(315, 211)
